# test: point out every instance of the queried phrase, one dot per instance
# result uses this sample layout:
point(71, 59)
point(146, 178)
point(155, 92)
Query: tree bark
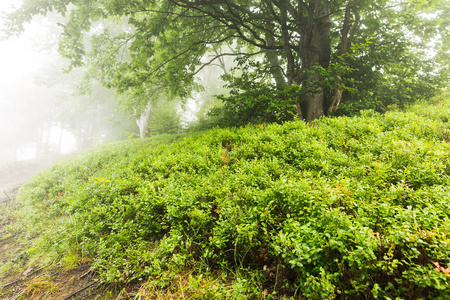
point(142, 120)
point(315, 50)
point(275, 67)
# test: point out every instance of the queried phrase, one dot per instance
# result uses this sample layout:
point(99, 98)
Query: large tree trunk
point(315, 50)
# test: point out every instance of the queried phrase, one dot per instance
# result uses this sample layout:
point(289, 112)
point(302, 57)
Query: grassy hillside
point(348, 208)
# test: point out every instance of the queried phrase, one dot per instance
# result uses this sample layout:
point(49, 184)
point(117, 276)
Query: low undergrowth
point(349, 208)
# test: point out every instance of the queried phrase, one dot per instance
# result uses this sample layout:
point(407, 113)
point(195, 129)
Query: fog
point(41, 116)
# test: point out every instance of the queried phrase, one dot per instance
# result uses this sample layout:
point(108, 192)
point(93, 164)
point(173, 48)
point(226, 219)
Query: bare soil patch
point(20, 279)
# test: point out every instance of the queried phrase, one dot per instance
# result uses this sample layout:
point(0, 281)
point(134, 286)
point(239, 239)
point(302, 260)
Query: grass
point(356, 207)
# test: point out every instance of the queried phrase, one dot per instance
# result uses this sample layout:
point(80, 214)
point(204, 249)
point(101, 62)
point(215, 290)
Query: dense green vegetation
point(301, 57)
point(308, 208)
point(356, 207)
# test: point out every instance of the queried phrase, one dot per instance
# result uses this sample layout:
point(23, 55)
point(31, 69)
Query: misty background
point(43, 115)
point(40, 114)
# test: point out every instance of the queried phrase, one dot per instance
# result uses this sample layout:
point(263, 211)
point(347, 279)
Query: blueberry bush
point(342, 208)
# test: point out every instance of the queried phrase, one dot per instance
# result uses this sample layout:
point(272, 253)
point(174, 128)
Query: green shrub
point(356, 207)
point(164, 118)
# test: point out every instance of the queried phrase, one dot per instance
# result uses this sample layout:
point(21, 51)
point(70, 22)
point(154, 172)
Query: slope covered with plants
point(343, 207)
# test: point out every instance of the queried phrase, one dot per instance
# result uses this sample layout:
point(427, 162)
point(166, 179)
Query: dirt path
point(12, 179)
point(23, 279)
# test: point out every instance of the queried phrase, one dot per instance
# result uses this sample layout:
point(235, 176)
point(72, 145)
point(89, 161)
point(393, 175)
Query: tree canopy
point(382, 51)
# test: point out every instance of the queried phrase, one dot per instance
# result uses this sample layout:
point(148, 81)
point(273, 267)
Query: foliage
point(253, 99)
point(356, 207)
point(160, 46)
point(402, 63)
point(164, 118)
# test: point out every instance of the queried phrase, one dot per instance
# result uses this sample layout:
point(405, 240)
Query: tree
point(165, 118)
point(166, 40)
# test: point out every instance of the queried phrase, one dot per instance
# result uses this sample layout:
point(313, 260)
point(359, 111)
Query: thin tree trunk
point(142, 120)
point(345, 45)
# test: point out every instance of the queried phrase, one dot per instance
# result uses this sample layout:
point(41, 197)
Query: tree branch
point(218, 56)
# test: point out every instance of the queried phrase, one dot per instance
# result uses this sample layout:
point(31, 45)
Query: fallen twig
point(54, 274)
point(11, 283)
point(80, 290)
point(85, 274)
point(22, 278)
point(9, 197)
point(34, 272)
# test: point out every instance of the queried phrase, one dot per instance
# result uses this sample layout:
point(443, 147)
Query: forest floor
point(21, 278)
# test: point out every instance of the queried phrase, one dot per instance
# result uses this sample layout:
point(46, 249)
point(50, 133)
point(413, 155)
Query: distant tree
point(406, 60)
point(165, 118)
point(309, 44)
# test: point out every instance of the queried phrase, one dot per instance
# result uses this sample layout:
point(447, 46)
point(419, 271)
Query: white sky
point(19, 60)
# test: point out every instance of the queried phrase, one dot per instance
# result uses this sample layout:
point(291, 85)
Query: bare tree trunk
point(316, 50)
point(314, 106)
point(275, 67)
point(345, 45)
point(142, 120)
